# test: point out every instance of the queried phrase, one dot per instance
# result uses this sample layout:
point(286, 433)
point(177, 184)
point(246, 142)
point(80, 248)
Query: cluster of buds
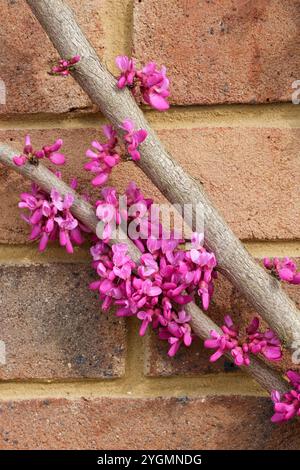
point(152, 83)
point(284, 269)
point(65, 66)
point(287, 406)
point(105, 156)
point(50, 217)
point(255, 342)
point(166, 279)
point(33, 156)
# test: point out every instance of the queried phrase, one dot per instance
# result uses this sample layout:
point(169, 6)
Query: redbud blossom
point(51, 218)
point(256, 342)
point(33, 156)
point(103, 157)
point(133, 138)
point(287, 406)
point(64, 66)
point(166, 278)
point(285, 270)
point(153, 83)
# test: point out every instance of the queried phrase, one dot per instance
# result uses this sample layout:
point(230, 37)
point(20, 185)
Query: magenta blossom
point(107, 211)
point(152, 83)
point(128, 71)
point(133, 138)
point(64, 66)
point(103, 157)
point(166, 278)
point(51, 218)
point(154, 86)
point(256, 342)
point(285, 269)
point(287, 406)
point(33, 156)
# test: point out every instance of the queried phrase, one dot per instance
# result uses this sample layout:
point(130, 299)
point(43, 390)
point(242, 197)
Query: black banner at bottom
point(133, 459)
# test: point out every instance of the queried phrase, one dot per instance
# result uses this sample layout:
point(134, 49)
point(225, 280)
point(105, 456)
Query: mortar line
point(150, 387)
point(29, 254)
point(118, 27)
point(279, 116)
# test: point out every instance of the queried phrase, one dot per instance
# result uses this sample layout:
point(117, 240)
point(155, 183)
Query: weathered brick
point(252, 175)
point(52, 325)
point(170, 423)
point(27, 56)
point(195, 360)
point(221, 52)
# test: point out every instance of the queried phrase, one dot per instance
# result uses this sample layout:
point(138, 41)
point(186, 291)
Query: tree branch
point(201, 324)
point(258, 287)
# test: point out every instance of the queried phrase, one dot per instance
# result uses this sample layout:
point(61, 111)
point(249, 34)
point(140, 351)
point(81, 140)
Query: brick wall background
point(77, 378)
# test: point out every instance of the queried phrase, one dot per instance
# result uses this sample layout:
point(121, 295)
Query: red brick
point(221, 52)
point(194, 361)
point(52, 325)
point(27, 56)
point(252, 175)
point(173, 423)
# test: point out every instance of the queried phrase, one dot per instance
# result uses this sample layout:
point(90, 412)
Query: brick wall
point(75, 377)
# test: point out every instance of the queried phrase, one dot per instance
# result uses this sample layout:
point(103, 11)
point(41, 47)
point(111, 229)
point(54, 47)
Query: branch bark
point(201, 323)
point(258, 287)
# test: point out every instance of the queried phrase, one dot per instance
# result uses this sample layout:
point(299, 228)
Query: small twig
point(201, 323)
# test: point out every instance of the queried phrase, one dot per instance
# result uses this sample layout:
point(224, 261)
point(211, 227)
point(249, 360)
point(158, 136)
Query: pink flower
point(51, 219)
point(153, 83)
point(176, 334)
point(154, 86)
point(256, 342)
point(146, 317)
point(48, 151)
point(166, 278)
point(287, 406)
point(133, 138)
point(51, 152)
point(103, 157)
point(128, 71)
point(285, 270)
point(107, 210)
point(64, 66)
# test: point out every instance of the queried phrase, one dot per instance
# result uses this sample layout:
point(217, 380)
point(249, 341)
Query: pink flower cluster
point(33, 156)
point(152, 82)
point(256, 342)
point(64, 66)
point(167, 278)
point(133, 138)
point(288, 406)
point(51, 219)
point(104, 156)
point(285, 269)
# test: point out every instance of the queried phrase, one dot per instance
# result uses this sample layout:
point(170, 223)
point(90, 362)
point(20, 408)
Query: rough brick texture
point(222, 52)
point(195, 360)
point(206, 423)
point(53, 327)
point(27, 56)
point(252, 175)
